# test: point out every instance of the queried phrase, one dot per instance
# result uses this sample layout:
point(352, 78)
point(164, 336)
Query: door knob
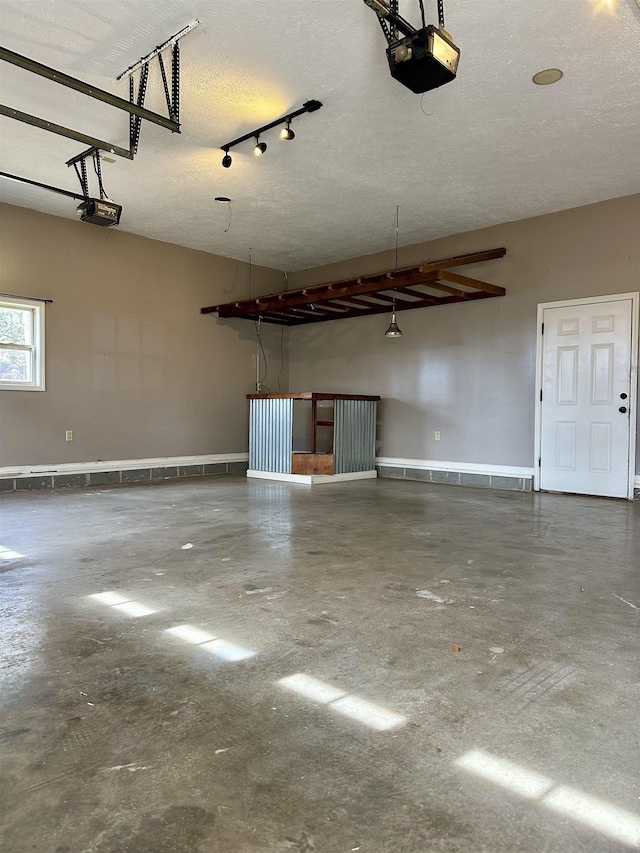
point(622, 409)
point(623, 396)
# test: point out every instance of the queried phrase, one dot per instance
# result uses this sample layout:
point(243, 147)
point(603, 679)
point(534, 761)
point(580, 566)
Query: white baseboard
point(312, 479)
point(18, 471)
point(456, 467)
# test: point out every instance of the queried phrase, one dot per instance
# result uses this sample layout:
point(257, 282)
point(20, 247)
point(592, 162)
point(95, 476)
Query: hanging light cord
point(226, 230)
point(286, 287)
point(441, 14)
point(397, 232)
point(259, 347)
point(397, 240)
point(262, 381)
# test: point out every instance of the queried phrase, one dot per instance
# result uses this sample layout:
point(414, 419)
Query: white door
point(586, 378)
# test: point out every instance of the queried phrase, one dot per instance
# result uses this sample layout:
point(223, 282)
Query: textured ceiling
point(487, 148)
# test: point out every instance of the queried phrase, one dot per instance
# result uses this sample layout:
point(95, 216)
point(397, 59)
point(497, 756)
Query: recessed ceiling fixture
point(549, 75)
point(261, 147)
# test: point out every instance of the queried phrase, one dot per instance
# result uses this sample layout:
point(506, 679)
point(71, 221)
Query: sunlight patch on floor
point(9, 554)
point(339, 700)
point(603, 817)
point(123, 604)
point(210, 643)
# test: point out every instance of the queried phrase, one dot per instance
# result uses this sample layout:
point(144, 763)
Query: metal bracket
point(34, 121)
point(42, 186)
point(173, 97)
point(80, 86)
point(391, 22)
point(79, 163)
point(134, 106)
point(135, 121)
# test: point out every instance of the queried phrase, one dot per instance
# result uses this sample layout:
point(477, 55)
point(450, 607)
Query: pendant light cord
point(397, 239)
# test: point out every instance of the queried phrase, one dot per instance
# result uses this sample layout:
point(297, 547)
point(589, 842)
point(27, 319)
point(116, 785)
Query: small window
point(21, 344)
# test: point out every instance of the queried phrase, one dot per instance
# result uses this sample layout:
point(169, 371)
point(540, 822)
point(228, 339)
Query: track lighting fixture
point(286, 132)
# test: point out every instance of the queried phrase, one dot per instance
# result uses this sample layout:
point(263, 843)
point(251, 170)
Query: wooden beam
point(383, 297)
point(427, 302)
point(461, 294)
point(279, 305)
point(278, 320)
point(472, 282)
point(422, 303)
point(356, 300)
point(460, 260)
point(294, 316)
point(266, 303)
point(418, 295)
point(332, 308)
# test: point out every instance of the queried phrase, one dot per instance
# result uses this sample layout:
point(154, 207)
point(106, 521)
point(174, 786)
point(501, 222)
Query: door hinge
point(539, 461)
point(541, 395)
point(543, 328)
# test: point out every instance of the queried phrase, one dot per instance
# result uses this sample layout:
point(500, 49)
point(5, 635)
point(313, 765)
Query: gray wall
point(468, 369)
point(137, 372)
point(132, 367)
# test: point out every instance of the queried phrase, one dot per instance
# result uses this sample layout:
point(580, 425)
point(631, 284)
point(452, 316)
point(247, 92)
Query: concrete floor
point(466, 668)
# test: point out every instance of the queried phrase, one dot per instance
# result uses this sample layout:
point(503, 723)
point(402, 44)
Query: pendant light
point(393, 331)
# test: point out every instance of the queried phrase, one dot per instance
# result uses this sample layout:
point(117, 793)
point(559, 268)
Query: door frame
point(633, 405)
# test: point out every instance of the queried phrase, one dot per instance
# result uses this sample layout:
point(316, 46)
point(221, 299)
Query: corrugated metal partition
point(354, 437)
point(270, 435)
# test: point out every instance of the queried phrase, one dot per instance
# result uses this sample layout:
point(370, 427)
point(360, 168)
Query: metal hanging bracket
point(172, 95)
point(134, 106)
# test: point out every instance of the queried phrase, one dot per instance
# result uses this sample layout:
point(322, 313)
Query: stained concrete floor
point(465, 662)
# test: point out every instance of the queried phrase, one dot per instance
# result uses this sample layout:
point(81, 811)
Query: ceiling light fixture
point(261, 147)
point(547, 76)
point(393, 331)
point(222, 199)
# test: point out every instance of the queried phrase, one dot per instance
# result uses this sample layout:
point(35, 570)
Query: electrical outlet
point(437, 435)
point(68, 436)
